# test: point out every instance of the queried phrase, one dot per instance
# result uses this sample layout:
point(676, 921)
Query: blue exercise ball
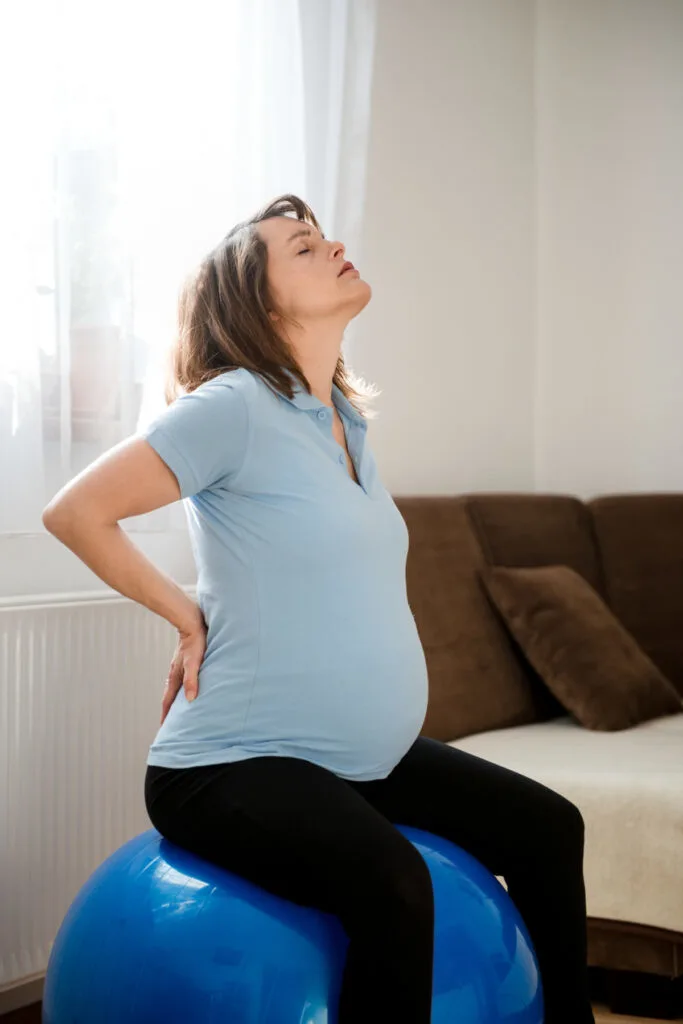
point(158, 935)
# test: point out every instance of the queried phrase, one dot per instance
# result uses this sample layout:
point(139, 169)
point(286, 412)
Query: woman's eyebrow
point(299, 233)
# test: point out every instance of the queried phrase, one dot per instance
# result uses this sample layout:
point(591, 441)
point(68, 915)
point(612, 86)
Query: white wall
point(525, 246)
point(523, 238)
point(449, 247)
point(610, 246)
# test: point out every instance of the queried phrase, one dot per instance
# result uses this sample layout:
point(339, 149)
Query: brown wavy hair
point(223, 320)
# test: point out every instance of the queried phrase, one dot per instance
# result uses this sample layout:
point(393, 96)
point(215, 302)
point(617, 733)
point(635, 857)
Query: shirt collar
point(303, 400)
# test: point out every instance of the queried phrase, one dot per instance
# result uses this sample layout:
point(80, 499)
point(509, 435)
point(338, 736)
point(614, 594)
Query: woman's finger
point(190, 682)
point(173, 684)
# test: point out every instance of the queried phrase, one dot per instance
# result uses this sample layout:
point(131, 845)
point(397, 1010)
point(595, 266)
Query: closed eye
point(303, 250)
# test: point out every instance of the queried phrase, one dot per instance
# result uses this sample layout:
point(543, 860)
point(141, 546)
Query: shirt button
point(321, 414)
point(341, 458)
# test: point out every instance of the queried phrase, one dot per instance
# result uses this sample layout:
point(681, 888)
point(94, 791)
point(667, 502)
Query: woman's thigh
point(498, 815)
point(293, 828)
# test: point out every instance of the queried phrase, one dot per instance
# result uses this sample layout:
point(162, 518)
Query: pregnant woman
point(289, 737)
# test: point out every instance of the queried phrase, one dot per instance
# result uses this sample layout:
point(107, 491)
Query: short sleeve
point(202, 435)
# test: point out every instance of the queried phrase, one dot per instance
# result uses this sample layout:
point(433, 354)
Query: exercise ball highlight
point(158, 935)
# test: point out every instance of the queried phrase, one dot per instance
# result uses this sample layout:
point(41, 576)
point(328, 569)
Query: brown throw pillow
point(592, 664)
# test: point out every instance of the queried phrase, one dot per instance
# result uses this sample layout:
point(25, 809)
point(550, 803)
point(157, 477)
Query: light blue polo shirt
point(312, 648)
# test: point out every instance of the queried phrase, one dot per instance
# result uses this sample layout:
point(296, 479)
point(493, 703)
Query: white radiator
point(81, 683)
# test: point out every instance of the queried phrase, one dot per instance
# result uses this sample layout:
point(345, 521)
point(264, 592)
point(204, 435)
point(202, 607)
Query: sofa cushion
point(640, 538)
point(586, 657)
point(628, 786)
point(477, 679)
point(536, 529)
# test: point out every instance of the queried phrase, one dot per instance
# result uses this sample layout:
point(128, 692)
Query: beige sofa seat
point(628, 786)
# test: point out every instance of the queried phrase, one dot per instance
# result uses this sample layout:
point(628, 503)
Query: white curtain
point(133, 137)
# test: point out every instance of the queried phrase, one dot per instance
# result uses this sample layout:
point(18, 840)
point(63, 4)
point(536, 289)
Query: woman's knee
point(388, 873)
point(408, 882)
point(565, 821)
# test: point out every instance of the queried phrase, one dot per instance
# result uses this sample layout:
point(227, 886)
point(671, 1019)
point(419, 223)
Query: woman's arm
point(129, 479)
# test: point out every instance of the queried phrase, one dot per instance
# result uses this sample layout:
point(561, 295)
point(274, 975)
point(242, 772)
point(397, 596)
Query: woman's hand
point(184, 669)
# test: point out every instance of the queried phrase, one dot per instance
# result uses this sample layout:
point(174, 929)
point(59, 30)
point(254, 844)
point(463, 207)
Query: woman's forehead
point(284, 232)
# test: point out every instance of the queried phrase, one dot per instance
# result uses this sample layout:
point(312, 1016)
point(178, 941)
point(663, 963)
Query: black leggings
point(304, 833)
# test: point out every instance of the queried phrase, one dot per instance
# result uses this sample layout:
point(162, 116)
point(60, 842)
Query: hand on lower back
point(185, 665)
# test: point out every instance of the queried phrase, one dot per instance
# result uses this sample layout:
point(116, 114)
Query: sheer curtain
point(135, 135)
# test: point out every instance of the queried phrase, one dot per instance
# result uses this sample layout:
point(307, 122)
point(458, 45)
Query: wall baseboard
point(26, 993)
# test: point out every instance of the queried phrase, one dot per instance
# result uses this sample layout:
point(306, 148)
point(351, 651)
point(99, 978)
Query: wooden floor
point(602, 1014)
point(31, 1015)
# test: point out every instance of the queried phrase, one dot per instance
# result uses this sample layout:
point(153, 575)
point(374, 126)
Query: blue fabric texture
point(312, 648)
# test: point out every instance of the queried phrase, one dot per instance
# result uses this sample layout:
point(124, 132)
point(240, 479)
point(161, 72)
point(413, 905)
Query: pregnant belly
point(359, 705)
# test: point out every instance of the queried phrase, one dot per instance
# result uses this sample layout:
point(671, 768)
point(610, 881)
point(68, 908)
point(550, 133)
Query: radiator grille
point(81, 682)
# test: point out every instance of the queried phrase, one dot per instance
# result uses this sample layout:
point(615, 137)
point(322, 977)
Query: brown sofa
point(486, 697)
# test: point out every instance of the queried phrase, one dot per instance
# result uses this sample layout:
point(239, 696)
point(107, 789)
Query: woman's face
point(303, 273)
